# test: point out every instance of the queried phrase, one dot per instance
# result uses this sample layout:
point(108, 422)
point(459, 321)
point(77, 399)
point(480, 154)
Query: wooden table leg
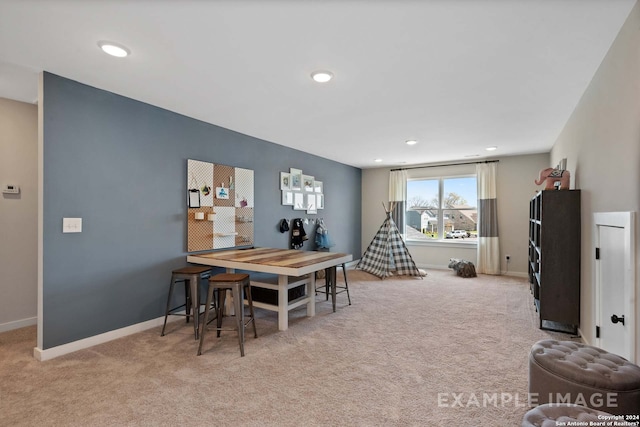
point(311, 294)
point(283, 303)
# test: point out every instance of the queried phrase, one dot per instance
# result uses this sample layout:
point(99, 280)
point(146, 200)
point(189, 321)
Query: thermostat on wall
point(11, 189)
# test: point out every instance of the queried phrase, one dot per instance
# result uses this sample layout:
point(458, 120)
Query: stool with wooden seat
point(238, 284)
point(331, 285)
point(191, 277)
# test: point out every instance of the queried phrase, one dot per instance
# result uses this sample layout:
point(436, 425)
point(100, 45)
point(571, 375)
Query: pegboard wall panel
point(200, 177)
point(199, 231)
point(223, 184)
point(224, 227)
point(225, 216)
point(244, 226)
point(244, 188)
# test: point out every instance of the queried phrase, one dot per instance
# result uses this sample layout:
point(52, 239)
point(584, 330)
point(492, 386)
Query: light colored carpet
point(443, 351)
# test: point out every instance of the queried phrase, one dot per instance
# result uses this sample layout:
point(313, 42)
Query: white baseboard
point(515, 274)
point(445, 267)
point(63, 349)
point(432, 266)
point(581, 335)
point(17, 324)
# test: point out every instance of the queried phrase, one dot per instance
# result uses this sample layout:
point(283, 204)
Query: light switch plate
point(11, 189)
point(72, 225)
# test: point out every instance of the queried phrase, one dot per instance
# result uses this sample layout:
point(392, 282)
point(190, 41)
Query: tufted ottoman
point(552, 415)
point(570, 372)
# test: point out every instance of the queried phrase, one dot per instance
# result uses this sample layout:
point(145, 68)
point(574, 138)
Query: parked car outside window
point(454, 234)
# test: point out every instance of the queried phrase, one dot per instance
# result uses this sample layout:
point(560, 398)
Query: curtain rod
point(448, 164)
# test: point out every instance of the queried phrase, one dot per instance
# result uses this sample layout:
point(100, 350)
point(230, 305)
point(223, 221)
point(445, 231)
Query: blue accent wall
point(120, 165)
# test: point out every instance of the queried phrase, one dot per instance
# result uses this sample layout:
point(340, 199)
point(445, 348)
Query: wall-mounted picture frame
point(287, 198)
point(307, 183)
point(318, 186)
point(320, 201)
point(285, 181)
point(299, 201)
point(312, 207)
point(222, 193)
point(205, 190)
point(194, 198)
point(296, 179)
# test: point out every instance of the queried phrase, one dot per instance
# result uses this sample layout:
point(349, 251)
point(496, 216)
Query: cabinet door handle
point(616, 319)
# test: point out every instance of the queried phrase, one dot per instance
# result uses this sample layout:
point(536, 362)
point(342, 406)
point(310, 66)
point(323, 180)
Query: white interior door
point(615, 283)
point(614, 337)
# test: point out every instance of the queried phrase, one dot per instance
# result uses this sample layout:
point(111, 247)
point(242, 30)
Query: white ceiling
point(457, 75)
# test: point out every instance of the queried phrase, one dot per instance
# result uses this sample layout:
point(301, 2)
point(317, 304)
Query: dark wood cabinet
point(554, 258)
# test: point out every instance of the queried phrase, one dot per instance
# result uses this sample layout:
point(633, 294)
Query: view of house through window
point(442, 208)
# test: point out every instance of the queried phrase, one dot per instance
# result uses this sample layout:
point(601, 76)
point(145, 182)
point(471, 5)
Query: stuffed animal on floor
point(462, 268)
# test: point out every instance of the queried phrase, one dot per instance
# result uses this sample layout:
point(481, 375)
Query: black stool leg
point(166, 312)
point(187, 300)
point(238, 304)
point(222, 294)
point(193, 303)
point(327, 282)
point(253, 318)
point(346, 284)
point(205, 318)
point(333, 287)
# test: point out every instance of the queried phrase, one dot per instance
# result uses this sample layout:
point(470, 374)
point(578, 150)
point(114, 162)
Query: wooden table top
point(288, 262)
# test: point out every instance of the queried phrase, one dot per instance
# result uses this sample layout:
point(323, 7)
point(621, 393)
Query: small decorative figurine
point(553, 175)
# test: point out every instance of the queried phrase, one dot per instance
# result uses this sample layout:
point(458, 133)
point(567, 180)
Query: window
point(442, 208)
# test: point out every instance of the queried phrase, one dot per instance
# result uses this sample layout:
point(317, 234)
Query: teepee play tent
point(387, 254)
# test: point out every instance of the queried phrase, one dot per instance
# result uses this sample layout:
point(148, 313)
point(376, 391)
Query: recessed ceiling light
point(493, 148)
point(114, 49)
point(411, 142)
point(378, 160)
point(322, 76)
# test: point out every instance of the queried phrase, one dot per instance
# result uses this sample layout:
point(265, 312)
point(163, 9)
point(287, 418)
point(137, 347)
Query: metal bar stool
point(191, 277)
point(238, 284)
point(331, 284)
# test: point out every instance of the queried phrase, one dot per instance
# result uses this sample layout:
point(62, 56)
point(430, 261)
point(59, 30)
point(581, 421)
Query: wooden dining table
point(291, 268)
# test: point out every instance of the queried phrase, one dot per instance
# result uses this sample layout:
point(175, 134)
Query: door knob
point(616, 319)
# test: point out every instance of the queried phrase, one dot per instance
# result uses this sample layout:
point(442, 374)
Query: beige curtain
point(488, 242)
point(397, 194)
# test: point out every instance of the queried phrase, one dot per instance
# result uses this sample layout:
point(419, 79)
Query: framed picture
point(299, 202)
point(285, 181)
point(205, 190)
point(194, 198)
point(318, 187)
point(295, 179)
point(287, 198)
point(222, 193)
point(320, 201)
point(307, 183)
point(312, 208)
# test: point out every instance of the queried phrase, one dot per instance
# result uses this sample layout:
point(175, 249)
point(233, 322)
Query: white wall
point(515, 188)
point(18, 214)
point(601, 142)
